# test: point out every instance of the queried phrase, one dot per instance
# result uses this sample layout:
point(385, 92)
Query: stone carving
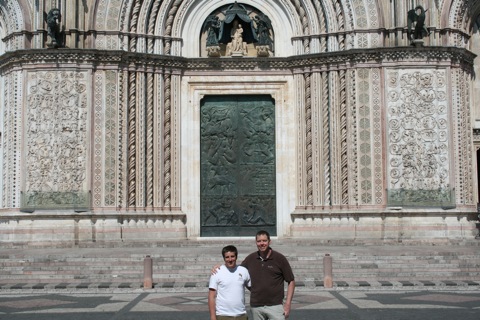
point(237, 47)
point(56, 151)
point(418, 134)
point(53, 28)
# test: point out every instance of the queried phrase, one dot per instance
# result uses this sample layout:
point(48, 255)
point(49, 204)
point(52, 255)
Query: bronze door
point(237, 165)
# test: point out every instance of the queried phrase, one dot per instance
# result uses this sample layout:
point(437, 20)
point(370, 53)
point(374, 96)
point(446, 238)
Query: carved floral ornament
point(418, 137)
point(237, 30)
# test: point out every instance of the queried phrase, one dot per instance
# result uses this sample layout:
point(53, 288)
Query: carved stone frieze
point(418, 131)
point(334, 60)
point(56, 136)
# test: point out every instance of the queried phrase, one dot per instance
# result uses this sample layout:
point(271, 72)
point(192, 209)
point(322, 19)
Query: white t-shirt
point(230, 286)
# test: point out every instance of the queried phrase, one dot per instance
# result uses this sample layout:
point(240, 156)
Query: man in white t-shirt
point(226, 297)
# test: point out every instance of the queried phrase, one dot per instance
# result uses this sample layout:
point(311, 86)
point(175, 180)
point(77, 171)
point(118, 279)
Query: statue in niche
point(416, 21)
point(237, 47)
point(53, 28)
point(237, 30)
point(212, 27)
point(263, 27)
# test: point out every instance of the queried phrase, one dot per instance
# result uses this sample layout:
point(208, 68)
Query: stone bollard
point(147, 273)
point(327, 271)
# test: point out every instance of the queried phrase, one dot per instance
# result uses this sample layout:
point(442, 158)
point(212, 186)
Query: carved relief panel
point(418, 158)
point(56, 140)
point(238, 193)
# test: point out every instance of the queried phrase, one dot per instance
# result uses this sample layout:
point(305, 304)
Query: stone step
point(184, 264)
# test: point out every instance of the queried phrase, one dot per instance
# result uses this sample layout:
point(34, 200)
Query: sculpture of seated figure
point(237, 47)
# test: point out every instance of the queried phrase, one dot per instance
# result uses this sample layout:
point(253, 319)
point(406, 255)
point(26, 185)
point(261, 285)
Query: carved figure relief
point(56, 137)
point(237, 164)
point(418, 132)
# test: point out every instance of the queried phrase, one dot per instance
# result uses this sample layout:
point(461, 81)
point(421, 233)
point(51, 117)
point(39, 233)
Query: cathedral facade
point(154, 120)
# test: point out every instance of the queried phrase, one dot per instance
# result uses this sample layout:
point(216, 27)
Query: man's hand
point(286, 309)
point(215, 268)
point(288, 301)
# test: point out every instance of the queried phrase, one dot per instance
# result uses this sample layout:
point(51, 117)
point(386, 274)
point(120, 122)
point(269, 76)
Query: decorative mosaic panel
point(418, 138)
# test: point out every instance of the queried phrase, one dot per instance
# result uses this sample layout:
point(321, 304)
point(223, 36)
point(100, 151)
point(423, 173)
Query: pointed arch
point(14, 18)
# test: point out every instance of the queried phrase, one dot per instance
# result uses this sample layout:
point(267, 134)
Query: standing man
point(226, 297)
point(269, 270)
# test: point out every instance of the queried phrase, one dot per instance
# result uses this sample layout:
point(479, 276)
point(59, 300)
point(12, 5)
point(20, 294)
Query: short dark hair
point(229, 248)
point(263, 233)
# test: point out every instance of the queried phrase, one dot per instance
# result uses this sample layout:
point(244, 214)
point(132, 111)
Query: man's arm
point(288, 300)
point(211, 303)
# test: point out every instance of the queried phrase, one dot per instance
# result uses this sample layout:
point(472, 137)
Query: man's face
point(230, 259)
point(262, 242)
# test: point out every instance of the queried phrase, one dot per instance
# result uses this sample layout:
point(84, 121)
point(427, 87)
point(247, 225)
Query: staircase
point(186, 265)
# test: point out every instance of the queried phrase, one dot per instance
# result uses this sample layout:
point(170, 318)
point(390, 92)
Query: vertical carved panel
point(365, 137)
point(467, 138)
point(352, 139)
point(12, 134)
point(378, 147)
point(463, 136)
point(418, 134)
point(56, 137)
point(98, 135)
point(111, 138)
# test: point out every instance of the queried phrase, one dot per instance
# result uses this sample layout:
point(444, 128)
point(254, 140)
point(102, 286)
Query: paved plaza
point(325, 304)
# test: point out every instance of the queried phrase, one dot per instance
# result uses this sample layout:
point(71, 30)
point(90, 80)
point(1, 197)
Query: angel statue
point(416, 20)
point(263, 27)
point(212, 26)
